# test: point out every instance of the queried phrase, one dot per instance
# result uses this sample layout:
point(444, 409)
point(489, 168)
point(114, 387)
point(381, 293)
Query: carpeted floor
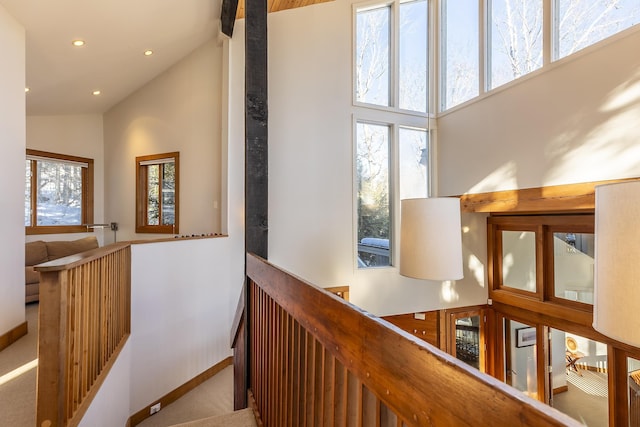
point(18, 364)
point(214, 397)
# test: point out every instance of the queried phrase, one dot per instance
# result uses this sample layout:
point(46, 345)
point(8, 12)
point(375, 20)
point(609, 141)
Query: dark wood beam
point(256, 129)
point(228, 16)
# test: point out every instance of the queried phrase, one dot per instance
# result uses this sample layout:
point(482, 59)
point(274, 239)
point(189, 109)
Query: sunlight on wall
point(502, 178)
point(477, 268)
point(448, 291)
point(626, 95)
point(600, 150)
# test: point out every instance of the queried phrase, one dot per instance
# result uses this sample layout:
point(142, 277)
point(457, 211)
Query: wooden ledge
point(556, 198)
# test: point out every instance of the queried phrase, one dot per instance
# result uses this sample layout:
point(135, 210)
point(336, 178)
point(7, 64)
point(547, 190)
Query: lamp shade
point(431, 239)
point(617, 262)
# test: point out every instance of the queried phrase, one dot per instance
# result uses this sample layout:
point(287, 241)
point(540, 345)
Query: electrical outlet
point(155, 408)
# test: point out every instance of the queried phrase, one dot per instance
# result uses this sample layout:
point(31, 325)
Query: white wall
point(184, 292)
point(181, 316)
point(74, 135)
point(311, 199)
point(180, 110)
point(576, 122)
point(12, 137)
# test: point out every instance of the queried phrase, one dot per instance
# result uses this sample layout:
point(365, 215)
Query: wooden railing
point(85, 319)
point(316, 360)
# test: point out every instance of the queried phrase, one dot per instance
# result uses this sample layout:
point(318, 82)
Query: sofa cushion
point(35, 253)
point(31, 276)
point(59, 249)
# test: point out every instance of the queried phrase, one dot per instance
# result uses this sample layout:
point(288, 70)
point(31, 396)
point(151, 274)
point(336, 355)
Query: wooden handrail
point(316, 359)
point(85, 320)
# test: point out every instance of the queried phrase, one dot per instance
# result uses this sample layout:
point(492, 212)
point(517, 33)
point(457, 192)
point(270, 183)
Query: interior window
point(573, 263)
point(519, 260)
point(157, 193)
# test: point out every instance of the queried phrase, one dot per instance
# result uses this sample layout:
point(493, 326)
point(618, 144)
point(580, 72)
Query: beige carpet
point(243, 418)
point(18, 376)
point(212, 398)
point(18, 401)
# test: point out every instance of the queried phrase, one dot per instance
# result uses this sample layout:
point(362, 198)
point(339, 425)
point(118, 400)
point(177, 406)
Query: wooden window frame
point(544, 299)
point(141, 195)
point(87, 196)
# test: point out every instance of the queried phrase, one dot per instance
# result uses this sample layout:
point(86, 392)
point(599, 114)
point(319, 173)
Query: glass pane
point(372, 55)
point(460, 50)
point(27, 194)
point(515, 43)
point(468, 340)
point(520, 360)
point(580, 379)
point(153, 200)
point(519, 260)
point(573, 266)
point(413, 56)
point(633, 368)
point(374, 220)
point(582, 23)
point(414, 161)
point(59, 193)
point(169, 194)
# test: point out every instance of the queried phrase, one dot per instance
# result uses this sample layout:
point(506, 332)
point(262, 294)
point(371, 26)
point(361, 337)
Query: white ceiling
point(62, 77)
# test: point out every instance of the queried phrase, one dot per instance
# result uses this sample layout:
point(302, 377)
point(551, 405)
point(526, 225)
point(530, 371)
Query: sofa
point(40, 251)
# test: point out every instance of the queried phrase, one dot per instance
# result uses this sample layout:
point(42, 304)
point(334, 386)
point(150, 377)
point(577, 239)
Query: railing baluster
point(318, 361)
point(85, 310)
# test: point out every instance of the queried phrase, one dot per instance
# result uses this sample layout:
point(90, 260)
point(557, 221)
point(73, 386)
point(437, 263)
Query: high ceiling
point(61, 78)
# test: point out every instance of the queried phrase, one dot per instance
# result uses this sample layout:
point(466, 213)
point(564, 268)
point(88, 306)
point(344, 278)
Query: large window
point(459, 51)
point(157, 193)
point(488, 43)
point(391, 57)
point(581, 23)
point(515, 40)
point(391, 140)
point(58, 193)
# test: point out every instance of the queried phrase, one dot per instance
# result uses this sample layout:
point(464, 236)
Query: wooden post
point(52, 372)
point(228, 16)
point(256, 128)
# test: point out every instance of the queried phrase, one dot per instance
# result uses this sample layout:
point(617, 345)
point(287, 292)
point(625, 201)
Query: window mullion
point(394, 71)
point(484, 39)
point(34, 193)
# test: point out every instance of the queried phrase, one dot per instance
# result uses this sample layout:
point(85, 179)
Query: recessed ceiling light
point(148, 52)
point(96, 92)
point(26, 89)
point(78, 43)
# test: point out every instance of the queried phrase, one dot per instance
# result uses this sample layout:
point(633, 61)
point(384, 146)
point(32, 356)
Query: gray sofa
point(40, 251)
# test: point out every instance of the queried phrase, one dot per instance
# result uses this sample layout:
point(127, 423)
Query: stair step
point(241, 418)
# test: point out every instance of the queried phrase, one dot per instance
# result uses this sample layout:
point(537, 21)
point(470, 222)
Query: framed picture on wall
point(525, 337)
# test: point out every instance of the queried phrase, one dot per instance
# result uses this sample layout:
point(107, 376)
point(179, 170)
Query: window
point(511, 36)
point(460, 74)
point(547, 258)
point(391, 143)
point(581, 23)
point(389, 74)
point(515, 40)
point(58, 193)
point(157, 199)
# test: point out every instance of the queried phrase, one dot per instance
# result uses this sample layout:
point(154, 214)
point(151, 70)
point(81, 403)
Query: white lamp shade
point(431, 238)
point(616, 304)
